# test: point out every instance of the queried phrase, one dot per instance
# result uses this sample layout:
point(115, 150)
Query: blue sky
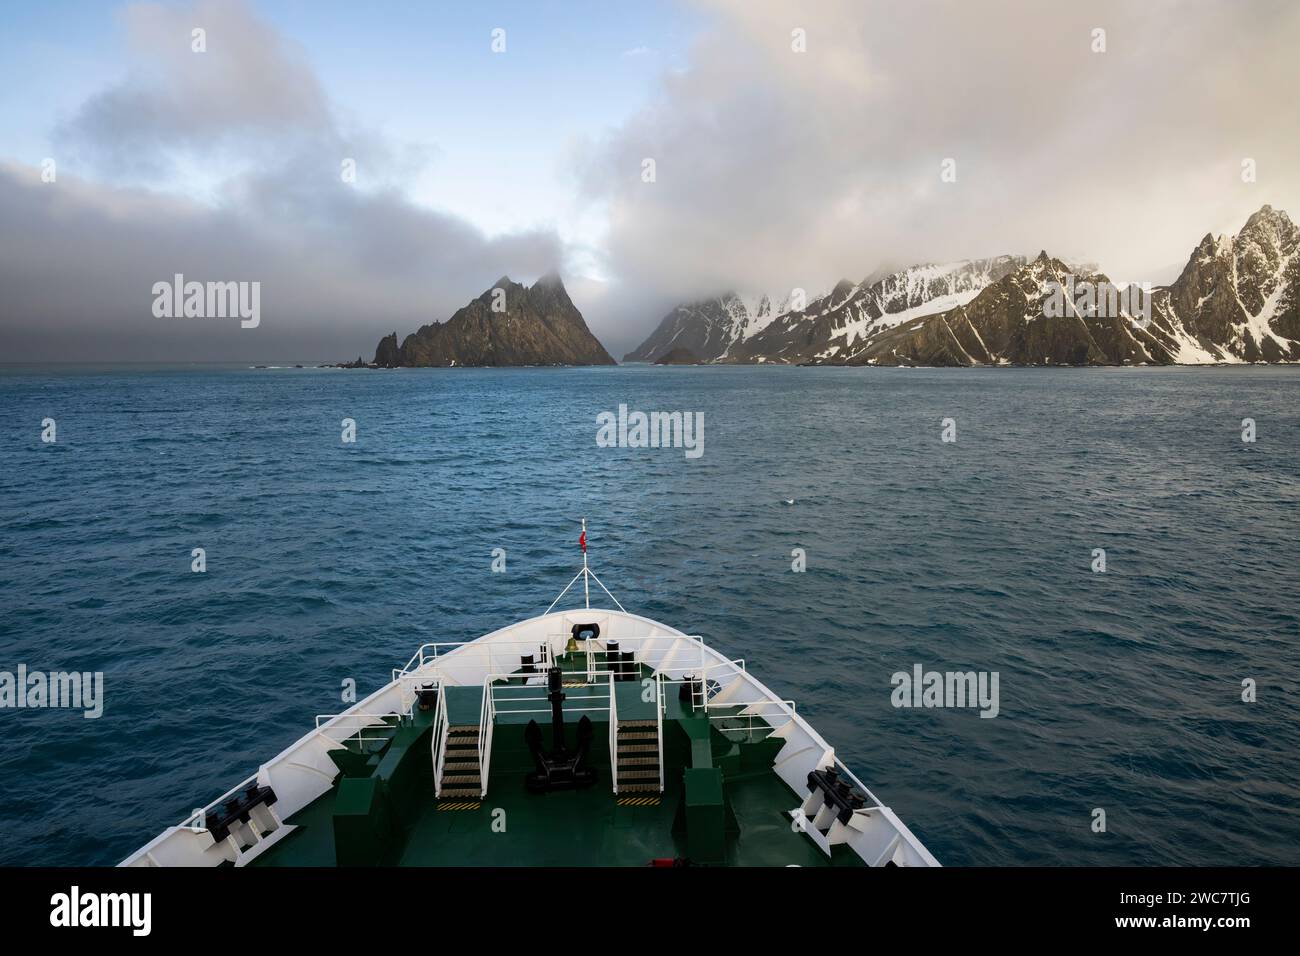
point(503, 125)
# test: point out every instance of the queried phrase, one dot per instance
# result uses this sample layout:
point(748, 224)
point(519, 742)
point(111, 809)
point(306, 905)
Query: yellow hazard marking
point(638, 801)
point(460, 806)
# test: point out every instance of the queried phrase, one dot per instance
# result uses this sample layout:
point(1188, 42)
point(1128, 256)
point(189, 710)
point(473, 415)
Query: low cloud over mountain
point(776, 169)
point(338, 263)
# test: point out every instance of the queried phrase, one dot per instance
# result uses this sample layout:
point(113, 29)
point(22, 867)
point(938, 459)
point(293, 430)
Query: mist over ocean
point(328, 561)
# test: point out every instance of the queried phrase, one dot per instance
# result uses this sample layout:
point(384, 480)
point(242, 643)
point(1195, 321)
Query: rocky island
point(509, 324)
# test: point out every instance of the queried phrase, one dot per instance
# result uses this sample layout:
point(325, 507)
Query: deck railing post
point(659, 720)
point(613, 734)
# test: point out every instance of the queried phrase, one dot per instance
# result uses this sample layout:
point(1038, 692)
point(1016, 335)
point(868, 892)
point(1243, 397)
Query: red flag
point(582, 540)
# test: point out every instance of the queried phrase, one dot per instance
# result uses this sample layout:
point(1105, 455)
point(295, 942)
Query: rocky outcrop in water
point(509, 324)
point(389, 353)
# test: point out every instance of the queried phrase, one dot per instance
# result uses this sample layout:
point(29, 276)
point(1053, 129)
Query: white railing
point(613, 734)
point(364, 722)
point(443, 654)
point(486, 719)
point(502, 700)
point(643, 652)
point(700, 691)
point(435, 652)
point(409, 688)
point(666, 681)
point(441, 729)
point(665, 654)
point(660, 705)
point(440, 656)
point(768, 712)
point(489, 710)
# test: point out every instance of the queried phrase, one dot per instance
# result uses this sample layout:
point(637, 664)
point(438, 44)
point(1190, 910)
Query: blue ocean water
point(328, 561)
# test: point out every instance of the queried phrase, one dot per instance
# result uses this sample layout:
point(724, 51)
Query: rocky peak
point(549, 296)
point(1268, 217)
point(1205, 248)
point(1033, 277)
point(540, 326)
point(710, 328)
point(843, 289)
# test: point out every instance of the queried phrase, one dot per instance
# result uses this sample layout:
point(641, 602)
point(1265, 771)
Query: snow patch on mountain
point(888, 320)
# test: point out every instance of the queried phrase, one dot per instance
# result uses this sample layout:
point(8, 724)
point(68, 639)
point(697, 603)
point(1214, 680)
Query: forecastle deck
point(694, 761)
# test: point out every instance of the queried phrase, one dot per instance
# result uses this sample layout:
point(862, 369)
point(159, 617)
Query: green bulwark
point(705, 815)
point(385, 780)
point(364, 831)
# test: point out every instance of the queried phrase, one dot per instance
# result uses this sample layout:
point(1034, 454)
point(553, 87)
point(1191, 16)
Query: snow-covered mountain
point(748, 329)
point(834, 325)
point(709, 328)
point(1238, 297)
point(1009, 323)
point(1237, 300)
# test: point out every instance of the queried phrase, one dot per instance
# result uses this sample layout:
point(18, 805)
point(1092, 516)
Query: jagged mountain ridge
point(1238, 297)
point(1006, 324)
point(1237, 300)
point(709, 328)
point(827, 327)
point(734, 328)
point(539, 325)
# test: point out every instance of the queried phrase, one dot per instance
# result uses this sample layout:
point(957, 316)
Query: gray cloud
point(338, 268)
point(248, 88)
point(339, 264)
point(777, 169)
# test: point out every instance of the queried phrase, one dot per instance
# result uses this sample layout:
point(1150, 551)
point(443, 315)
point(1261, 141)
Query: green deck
point(736, 811)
